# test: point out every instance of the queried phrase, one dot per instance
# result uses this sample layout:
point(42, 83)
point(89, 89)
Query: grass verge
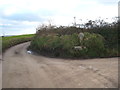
point(10, 41)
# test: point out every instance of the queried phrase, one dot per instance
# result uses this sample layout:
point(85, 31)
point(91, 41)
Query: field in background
point(10, 41)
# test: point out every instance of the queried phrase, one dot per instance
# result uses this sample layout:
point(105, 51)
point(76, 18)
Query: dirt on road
point(23, 70)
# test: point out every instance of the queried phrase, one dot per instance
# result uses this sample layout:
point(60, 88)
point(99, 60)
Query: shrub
point(54, 44)
point(101, 40)
point(92, 46)
point(95, 44)
point(63, 46)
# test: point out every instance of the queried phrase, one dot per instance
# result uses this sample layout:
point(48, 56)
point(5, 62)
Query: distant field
point(14, 40)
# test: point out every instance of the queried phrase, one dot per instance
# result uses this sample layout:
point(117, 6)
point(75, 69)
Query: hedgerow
point(92, 45)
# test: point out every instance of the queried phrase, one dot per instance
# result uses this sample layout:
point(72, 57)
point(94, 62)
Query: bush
point(92, 46)
point(101, 39)
point(54, 45)
point(95, 44)
point(63, 46)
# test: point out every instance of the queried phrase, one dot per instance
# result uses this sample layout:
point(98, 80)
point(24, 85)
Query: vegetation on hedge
point(100, 40)
point(64, 46)
point(10, 41)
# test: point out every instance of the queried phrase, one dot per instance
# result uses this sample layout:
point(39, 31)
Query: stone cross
point(81, 36)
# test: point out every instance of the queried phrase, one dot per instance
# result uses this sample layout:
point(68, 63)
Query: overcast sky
point(23, 16)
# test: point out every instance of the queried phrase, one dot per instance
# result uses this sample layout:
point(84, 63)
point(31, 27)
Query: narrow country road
point(23, 70)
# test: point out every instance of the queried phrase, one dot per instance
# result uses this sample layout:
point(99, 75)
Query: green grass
point(10, 41)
